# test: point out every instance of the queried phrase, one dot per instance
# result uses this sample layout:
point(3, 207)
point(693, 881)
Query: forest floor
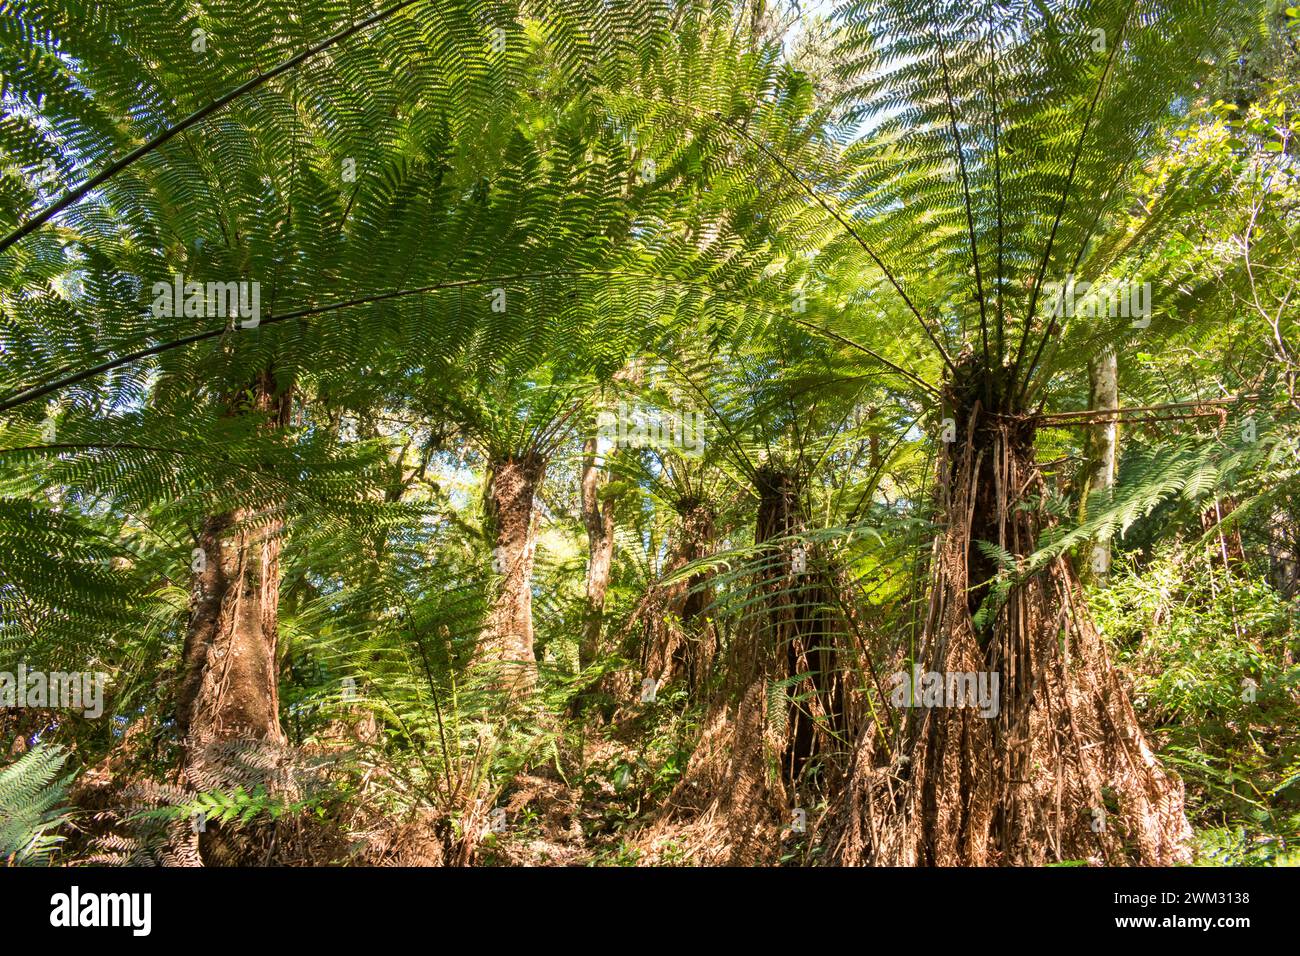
point(554, 821)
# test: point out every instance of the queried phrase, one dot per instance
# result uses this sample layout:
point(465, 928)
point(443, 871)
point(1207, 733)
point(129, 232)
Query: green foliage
point(629, 785)
point(671, 210)
point(235, 807)
point(32, 794)
point(1211, 654)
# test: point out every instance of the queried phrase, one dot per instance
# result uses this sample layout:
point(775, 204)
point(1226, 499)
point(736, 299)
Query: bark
point(227, 703)
point(598, 519)
point(1103, 444)
point(767, 717)
point(1062, 770)
point(508, 637)
point(1284, 553)
point(679, 642)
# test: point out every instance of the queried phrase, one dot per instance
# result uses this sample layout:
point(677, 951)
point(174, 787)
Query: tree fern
point(32, 792)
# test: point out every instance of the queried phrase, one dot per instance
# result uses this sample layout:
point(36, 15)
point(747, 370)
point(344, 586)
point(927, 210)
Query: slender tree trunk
point(1283, 553)
point(1103, 447)
point(228, 698)
point(1228, 542)
point(598, 518)
point(508, 636)
point(874, 457)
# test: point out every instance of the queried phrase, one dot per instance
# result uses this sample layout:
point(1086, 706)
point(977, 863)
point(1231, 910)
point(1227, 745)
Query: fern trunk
point(1062, 770)
point(781, 702)
point(679, 643)
point(228, 704)
point(507, 640)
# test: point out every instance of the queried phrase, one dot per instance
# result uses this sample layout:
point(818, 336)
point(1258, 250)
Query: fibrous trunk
point(801, 626)
point(1057, 767)
point(507, 638)
point(679, 641)
point(228, 699)
point(782, 702)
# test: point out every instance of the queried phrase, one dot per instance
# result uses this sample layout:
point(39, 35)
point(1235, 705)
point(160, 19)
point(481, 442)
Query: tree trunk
point(799, 625)
point(1283, 553)
point(229, 683)
point(678, 641)
point(508, 637)
point(1103, 450)
point(1057, 768)
point(598, 518)
point(227, 704)
point(1228, 545)
point(782, 702)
